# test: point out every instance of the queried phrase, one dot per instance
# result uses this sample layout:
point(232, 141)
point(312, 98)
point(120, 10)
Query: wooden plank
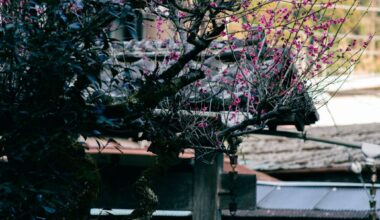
point(244, 189)
point(186, 187)
point(174, 189)
point(206, 187)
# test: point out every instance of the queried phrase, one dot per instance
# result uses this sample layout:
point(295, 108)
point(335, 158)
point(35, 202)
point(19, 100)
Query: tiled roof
point(144, 56)
point(129, 148)
point(220, 66)
point(278, 153)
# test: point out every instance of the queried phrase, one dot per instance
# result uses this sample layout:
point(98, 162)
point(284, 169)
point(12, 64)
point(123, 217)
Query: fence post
point(206, 186)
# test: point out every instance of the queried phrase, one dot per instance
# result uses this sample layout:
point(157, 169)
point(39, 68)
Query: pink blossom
point(305, 2)
point(365, 43)
point(300, 87)
point(174, 56)
point(159, 23)
point(246, 26)
point(233, 116)
point(231, 37)
point(213, 4)
point(245, 4)
point(181, 14)
point(234, 18)
point(263, 20)
point(328, 4)
point(4, 2)
point(239, 76)
point(202, 125)
point(202, 91)
point(236, 101)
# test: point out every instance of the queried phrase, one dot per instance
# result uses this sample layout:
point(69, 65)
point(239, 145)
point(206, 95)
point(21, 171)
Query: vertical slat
point(206, 187)
point(244, 189)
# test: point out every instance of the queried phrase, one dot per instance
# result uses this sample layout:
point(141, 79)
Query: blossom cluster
point(279, 50)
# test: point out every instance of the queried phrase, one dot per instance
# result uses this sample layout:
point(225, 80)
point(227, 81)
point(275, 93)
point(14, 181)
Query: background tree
point(63, 76)
point(52, 54)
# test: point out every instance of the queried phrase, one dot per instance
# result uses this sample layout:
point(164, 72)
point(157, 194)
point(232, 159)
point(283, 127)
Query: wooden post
point(206, 186)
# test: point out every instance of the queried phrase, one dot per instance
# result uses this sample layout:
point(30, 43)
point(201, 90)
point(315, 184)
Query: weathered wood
point(174, 189)
point(244, 189)
point(206, 187)
point(189, 187)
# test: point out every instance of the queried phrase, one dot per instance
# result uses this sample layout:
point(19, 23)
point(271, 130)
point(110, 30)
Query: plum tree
point(231, 67)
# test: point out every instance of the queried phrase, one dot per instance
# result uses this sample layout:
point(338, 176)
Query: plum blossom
point(213, 4)
point(202, 124)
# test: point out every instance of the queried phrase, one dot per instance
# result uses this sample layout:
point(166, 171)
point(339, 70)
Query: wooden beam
point(206, 187)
